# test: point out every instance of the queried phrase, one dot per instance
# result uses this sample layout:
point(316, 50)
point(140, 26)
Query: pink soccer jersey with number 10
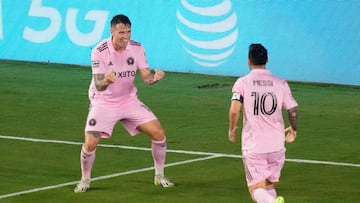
point(265, 95)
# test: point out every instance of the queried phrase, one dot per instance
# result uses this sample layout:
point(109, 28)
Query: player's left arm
point(234, 114)
point(150, 78)
point(293, 117)
point(291, 131)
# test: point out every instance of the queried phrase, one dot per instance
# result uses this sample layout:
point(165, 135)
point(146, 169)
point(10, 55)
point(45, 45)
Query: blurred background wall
point(314, 41)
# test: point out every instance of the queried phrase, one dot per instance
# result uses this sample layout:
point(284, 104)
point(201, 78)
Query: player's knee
point(89, 147)
point(91, 141)
point(159, 134)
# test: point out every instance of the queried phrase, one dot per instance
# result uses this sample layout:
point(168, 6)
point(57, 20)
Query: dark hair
point(120, 19)
point(257, 54)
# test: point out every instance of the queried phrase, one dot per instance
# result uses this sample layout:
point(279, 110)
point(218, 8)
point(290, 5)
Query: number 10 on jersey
point(266, 103)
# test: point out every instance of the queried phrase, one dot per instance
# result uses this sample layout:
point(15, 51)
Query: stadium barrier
point(315, 41)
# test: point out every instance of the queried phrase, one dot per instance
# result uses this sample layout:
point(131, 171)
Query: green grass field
point(43, 112)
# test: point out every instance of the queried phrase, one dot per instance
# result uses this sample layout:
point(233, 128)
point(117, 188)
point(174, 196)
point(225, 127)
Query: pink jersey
point(264, 97)
point(125, 65)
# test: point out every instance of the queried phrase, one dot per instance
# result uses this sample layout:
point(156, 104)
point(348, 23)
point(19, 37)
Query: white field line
point(103, 177)
point(207, 154)
point(177, 151)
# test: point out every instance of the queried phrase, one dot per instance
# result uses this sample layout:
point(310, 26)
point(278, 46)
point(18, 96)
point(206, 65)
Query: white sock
point(158, 149)
point(159, 171)
point(261, 195)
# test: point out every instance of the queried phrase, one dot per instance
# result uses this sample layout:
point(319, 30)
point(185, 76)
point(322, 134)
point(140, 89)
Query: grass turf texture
point(49, 101)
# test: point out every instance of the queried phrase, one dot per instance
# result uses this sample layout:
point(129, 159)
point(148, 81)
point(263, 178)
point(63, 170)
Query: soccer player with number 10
point(262, 96)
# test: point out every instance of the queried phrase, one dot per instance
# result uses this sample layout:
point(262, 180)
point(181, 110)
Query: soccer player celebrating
point(113, 99)
point(262, 96)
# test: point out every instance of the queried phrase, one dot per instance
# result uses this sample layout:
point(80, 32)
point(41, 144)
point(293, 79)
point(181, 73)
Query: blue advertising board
point(315, 41)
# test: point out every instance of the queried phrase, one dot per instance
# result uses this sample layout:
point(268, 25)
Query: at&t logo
point(209, 30)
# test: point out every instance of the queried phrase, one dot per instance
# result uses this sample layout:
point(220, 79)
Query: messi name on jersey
point(263, 83)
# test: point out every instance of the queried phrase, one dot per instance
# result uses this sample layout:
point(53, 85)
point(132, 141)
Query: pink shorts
point(103, 119)
point(259, 167)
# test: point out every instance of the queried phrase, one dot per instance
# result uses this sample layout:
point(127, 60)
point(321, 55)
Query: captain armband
point(238, 97)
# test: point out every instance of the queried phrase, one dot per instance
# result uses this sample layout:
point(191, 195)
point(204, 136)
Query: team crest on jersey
point(92, 122)
point(130, 61)
point(95, 64)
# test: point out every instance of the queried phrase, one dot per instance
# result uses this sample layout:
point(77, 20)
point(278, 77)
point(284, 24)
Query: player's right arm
point(102, 76)
point(234, 113)
point(103, 80)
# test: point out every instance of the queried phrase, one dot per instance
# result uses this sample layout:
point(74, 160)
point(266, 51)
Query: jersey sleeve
point(237, 91)
point(97, 62)
point(289, 101)
point(141, 57)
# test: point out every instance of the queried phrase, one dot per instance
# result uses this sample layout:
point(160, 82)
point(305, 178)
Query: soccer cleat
point(279, 199)
point(162, 181)
point(83, 185)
